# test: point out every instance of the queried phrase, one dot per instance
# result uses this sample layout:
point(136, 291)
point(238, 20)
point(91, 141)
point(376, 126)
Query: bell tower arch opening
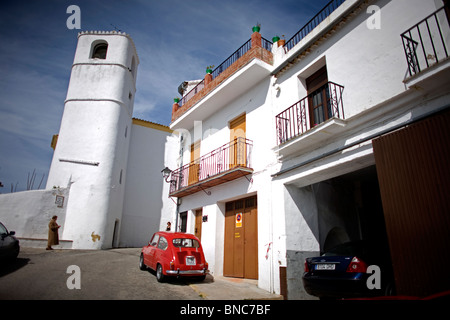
point(99, 49)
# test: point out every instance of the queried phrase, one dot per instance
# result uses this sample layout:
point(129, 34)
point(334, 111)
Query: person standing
point(53, 237)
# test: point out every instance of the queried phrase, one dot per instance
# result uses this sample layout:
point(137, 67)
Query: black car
point(341, 272)
point(9, 245)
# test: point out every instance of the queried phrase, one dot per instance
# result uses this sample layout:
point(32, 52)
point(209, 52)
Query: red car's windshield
point(186, 243)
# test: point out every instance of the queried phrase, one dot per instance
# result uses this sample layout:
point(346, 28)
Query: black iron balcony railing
point(229, 158)
point(232, 58)
point(266, 44)
point(317, 107)
point(313, 23)
point(427, 42)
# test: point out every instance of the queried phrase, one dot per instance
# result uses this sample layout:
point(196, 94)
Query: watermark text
point(74, 280)
point(374, 21)
point(74, 20)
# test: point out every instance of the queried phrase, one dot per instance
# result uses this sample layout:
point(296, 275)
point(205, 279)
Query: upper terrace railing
point(314, 22)
point(233, 155)
point(427, 42)
point(266, 44)
point(192, 93)
point(317, 107)
point(232, 58)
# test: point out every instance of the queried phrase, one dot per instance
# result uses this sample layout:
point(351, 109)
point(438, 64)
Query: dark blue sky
point(175, 41)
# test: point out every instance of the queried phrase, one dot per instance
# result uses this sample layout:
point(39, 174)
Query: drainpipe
point(178, 199)
point(177, 213)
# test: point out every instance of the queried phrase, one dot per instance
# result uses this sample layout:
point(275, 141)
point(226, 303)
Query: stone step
point(42, 243)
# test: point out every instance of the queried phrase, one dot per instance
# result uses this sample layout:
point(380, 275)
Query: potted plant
point(209, 69)
point(176, 99)
point(257, 27)
point(281, 42)
point(275, 39)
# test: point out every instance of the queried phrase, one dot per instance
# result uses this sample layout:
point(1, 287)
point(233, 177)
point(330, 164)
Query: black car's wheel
point(16, 251)
point(142, 265)
point(159, 273)
point(390, 289)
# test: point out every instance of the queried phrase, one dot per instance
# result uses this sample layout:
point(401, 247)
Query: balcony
point(227, 163)
point(312, 120)
point(426, 44)
point(246, 67)
point(320, 106)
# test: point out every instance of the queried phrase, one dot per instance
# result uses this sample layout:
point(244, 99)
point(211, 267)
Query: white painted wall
point(215, 132)
point(147, 208)
point(371, 65)
point(29, 212)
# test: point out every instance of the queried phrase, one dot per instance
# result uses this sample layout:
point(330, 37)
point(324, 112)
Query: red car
point(174, 254)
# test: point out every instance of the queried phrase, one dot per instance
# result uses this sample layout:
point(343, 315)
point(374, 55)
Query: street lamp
point(166, 173)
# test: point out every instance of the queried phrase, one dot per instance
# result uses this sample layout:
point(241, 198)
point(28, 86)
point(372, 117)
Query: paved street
point(113, 274)
point(106, 275)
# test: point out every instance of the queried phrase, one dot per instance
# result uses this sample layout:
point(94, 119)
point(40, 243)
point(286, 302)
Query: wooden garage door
point(241, 239)
point(414, 175)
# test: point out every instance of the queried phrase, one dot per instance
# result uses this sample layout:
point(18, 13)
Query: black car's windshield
point(185, 243)
point(3, 229)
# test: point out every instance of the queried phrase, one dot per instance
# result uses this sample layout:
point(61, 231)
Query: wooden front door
point(198, 223)
point(238, 150)
point(194, 168)
point(241, 239)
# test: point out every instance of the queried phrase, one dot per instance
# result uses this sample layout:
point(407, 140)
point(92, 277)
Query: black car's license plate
point(325, 266)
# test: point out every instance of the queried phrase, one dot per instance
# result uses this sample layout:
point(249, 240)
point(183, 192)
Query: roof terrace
point(255, 48)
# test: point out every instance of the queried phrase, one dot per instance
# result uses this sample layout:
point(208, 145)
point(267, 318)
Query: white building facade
point(352, 81)
point(302, 116)
point(103, 155)
point(283, 151)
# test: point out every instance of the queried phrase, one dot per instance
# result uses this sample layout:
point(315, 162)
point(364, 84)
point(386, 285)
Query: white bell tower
point(92, 148)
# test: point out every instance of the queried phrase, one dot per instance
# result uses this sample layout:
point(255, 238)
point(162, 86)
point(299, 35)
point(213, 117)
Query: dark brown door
point(241, 239)
point(414, 174)
point(318, 97)
point(198, 223)
point(250, 239)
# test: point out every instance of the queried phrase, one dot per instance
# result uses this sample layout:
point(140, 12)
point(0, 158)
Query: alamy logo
point(74, 20)
point(374, 281)
point(74, 280)
point(374, 21)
